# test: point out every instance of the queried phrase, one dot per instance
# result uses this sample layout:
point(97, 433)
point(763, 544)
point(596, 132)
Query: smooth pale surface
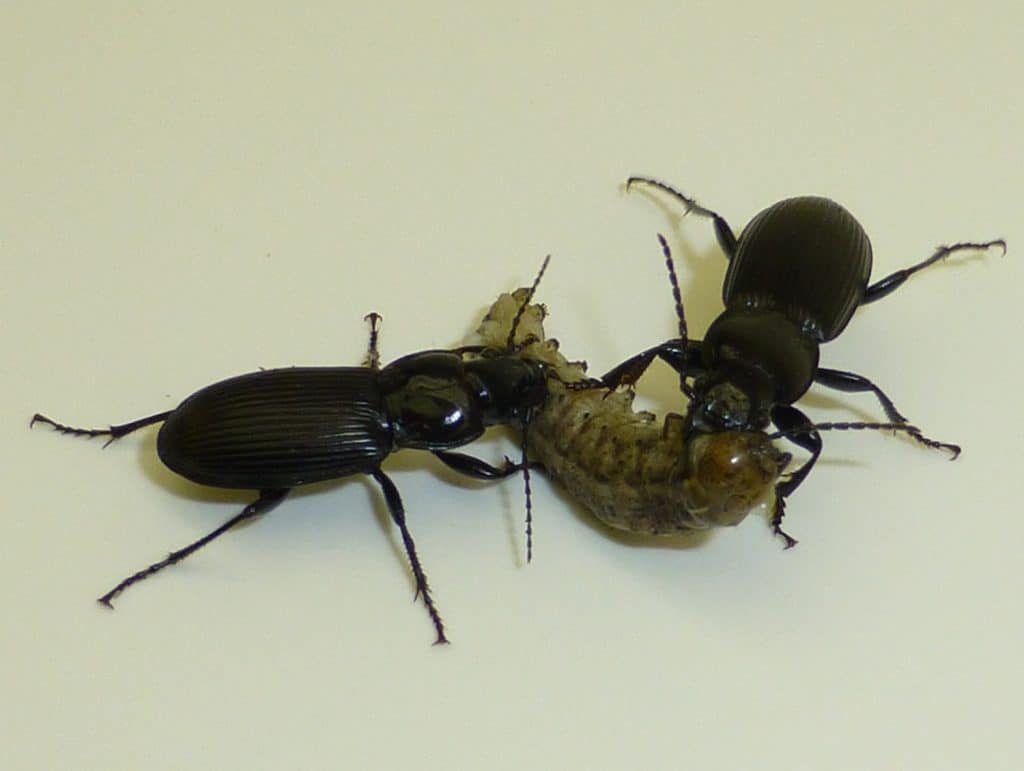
point(196, 191)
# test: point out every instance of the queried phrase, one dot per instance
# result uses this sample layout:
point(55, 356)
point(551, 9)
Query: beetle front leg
point(268, 499)
point(726, 238)
point(629, 371)
point(789, 419)
point(683, 357)
point(479, 469)
point(397, 509)
point(475, 467)
point(682, 354)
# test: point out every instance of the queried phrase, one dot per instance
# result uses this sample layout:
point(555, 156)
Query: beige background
point(190, 193)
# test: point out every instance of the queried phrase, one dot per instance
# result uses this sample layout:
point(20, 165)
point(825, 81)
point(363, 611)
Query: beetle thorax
point(762, 352)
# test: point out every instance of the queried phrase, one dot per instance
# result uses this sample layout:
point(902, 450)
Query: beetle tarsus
point(70, 430)
point(883, 287)
point(397, 510)
point(953, 449)
point(267, 500)
point(114, 432)
point(776, 522)
point(372, 359)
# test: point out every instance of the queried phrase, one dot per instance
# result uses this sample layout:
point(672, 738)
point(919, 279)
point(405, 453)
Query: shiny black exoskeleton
point(278, 429)
point(796, 275)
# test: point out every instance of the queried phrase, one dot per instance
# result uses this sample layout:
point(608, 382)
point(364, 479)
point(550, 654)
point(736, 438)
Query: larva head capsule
point(731, 474)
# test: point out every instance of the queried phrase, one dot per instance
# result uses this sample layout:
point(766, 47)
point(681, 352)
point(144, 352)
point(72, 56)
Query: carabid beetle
point(278, 429)
point(796, 275)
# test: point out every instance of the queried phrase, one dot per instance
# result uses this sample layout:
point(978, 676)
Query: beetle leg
point(114, 432)
point(851, 382)
point(726, 238)
point(397, 509)
point(679, 353)
point(479, 469)
point(268, 499)
point(629, 371)
point(787, 418)
point(474, 467)
point(885, 286)
point(682, 356)
point(372, 359)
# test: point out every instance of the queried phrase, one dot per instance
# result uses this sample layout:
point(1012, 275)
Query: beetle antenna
point(522, 308)
point(905, 428)
point(677, 295)
point(529, 493)
point(809, 428)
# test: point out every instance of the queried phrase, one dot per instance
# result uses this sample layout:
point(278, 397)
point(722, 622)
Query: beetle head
point(506, 388)
point(731, 399)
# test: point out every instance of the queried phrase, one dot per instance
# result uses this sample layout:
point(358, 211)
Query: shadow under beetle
point(277, 429)
point(796, 274)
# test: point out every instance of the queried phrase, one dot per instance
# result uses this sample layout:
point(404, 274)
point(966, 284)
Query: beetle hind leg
point(114, 432)
point(397, 509)
point(268, 499)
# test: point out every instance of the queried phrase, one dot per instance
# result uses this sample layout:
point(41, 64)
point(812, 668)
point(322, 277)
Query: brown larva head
point(730, 474)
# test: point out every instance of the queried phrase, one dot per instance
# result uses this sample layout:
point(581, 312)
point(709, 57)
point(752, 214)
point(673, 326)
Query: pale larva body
point(625, 467)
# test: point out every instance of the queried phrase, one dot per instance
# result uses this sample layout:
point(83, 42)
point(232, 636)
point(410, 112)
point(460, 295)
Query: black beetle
point(277, 429)
point(796, 275)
